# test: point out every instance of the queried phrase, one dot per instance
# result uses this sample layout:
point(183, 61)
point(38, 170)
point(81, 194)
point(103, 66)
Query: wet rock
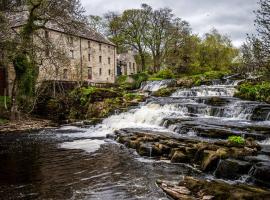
point(205, 189)
point(145, 150)
point(216, 101)
point(260, 173)
point(261, 112)
point(179, 157)
point(164, 92)
point(232, 169)
point(205, 155)
point(210, 160)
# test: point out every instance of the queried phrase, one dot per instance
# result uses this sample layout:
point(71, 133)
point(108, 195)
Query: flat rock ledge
point(26, 125)
point(191, 188)
point(222, 159)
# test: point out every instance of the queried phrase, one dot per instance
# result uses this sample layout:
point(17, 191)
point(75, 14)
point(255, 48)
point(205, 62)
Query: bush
point(3, 121)
point(236, 139)
point(121, 79)
point(133, 81)
point(2, 101)
point(133, 96)
point(254, 91)
point(163, 74)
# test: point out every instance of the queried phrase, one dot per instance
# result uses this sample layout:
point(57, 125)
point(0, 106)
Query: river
point(81, 163)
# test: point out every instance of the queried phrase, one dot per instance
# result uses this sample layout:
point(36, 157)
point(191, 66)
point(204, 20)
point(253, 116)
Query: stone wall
point(127, 64)
point(86, 60)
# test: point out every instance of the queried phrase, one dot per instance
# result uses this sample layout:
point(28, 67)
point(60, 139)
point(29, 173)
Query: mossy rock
point(164, 92)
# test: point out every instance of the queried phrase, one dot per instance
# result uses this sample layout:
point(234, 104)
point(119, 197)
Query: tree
point(252, 55)
point(216, 52)
point(262, 23)
point(127, 31)
point(66, 15)
point(97, 23)
point(162, 30)
point(183, 55)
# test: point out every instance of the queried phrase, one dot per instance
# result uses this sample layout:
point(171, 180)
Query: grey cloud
point(234, 18)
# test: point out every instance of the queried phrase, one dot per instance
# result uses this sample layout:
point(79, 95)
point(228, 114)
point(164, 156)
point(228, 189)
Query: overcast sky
point(232, 17)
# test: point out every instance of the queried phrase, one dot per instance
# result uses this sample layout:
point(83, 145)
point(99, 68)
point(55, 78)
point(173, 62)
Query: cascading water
point(108, 171)
point(153, 86)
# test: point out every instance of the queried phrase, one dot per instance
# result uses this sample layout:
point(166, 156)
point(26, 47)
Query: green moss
point(236, 140)
point(164, 92)
point(133, 96)
point(3, 121)
point(155, 79)
point(2, 101)
point(199, 79)
point(254, 91)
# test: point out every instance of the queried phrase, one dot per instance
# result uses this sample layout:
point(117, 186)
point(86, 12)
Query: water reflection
point(34, 167)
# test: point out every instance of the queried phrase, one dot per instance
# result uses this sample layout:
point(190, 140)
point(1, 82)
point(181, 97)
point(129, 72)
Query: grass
point(236, 139)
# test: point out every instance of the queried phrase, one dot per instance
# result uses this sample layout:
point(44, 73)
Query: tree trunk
point(142, 56)
point(14, 112)
point(157, 63)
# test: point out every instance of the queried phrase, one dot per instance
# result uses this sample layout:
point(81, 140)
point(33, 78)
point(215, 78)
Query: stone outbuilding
point(126, 64)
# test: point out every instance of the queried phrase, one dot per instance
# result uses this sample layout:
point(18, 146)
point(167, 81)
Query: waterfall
point(185, 103)
point(153, 86)
point(206, 91)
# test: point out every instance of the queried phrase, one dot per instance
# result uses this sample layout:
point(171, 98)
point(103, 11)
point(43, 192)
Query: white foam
point(86, 145)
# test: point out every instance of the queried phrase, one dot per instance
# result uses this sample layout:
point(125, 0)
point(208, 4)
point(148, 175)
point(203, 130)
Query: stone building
point(87, 56)
point(126, 64)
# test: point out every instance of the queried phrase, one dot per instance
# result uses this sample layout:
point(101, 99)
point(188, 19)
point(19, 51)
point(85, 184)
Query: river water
point(81, 163)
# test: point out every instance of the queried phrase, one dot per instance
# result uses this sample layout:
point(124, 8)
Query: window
point(100, 71)
point(65, 73)
point(89, 57)
point(129, 65)
point(72, 54)
point(47, 51)
point(109, 60)
point(89, 44)
point(109, 72)
point(100, 59)
point(56, 71)
point(134, 67)
point(70, 40)
point(100, 47)
point(90, 73)
point(47, 34)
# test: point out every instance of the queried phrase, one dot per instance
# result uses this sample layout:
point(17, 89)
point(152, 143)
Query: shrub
point(254, 92)
point(3, 99)
point(133, 96)
point(163, 74)
point(236, 139)
point(3, 121)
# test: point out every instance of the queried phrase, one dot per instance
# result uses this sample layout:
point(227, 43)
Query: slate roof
point(86, 32)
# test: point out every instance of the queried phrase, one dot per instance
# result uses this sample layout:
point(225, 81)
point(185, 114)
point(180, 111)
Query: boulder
point(232, 169)
point(260, 173)
point(194, 188)
point(179, 157)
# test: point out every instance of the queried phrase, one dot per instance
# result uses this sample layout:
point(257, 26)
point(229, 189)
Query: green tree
point(216, 52)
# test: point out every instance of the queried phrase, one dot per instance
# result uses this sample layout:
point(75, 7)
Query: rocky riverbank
point(191, 188)
point(225, 159)
point(26, 125)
